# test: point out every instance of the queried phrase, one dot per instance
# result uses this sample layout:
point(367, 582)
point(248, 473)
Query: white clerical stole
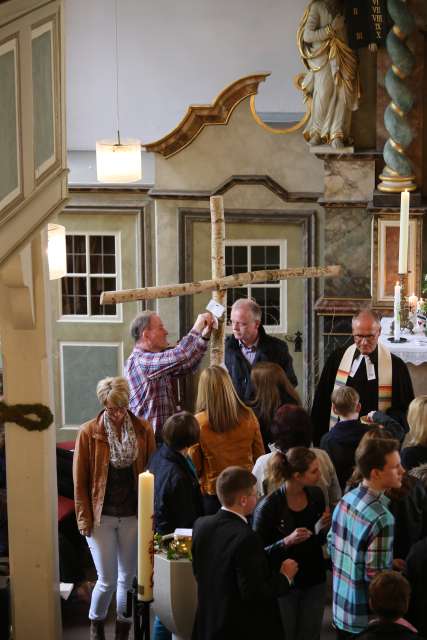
point(370, 368)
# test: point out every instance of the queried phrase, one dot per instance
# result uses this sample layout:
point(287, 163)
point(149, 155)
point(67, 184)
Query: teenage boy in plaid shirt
point(361, 537)
point(152, 365)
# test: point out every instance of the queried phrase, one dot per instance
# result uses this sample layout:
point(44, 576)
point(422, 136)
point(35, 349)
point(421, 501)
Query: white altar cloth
point(414, 351)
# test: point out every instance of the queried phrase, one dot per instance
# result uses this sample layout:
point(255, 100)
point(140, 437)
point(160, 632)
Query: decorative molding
point(339, 306)
point(236, 180)
point(342, 204)
point(200, 116)
point(358, 155)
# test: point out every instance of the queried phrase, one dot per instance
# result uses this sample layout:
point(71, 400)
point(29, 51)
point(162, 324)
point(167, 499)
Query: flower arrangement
point(175, 548)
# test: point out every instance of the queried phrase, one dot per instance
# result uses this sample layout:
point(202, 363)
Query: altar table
point(413, 352)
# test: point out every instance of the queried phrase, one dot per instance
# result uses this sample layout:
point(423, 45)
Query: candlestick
point(413, 303)
point(145, 536)
point(404, 232)
point(397, 290)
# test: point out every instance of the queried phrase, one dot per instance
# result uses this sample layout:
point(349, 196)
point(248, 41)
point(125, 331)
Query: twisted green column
point(398, 173)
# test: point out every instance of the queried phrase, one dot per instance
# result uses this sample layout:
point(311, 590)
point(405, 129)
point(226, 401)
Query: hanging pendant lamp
point(118, 161)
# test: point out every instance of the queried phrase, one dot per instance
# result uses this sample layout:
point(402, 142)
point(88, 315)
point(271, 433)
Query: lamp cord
point(117, 72)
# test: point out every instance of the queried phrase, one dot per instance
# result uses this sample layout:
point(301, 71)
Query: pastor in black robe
point(402, 391)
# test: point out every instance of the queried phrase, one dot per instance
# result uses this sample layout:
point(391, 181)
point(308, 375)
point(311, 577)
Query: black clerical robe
point(402, 391)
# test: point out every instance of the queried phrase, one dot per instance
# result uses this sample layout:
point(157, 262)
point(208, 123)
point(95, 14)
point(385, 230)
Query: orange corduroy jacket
point(240, 446)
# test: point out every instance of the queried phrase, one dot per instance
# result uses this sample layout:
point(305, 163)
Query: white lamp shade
point(118, 163)
point(56, 251)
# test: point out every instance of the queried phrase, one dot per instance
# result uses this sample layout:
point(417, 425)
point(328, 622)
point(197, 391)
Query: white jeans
point(113, 546)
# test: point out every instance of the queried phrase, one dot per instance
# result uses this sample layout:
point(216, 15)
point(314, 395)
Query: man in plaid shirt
point(361, 537)
point(151, 366)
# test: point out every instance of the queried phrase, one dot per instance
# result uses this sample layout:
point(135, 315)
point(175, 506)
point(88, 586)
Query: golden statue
point(332, 80)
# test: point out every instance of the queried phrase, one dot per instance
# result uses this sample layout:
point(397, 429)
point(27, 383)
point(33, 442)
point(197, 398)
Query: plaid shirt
point(360, 544)
point(150, 377)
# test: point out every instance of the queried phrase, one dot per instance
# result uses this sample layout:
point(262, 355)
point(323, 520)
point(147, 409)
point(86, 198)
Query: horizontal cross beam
point(217, 284)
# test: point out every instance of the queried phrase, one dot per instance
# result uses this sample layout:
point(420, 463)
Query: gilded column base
point(393, 183)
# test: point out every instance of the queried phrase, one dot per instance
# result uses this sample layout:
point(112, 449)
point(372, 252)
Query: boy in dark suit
point(237, 589)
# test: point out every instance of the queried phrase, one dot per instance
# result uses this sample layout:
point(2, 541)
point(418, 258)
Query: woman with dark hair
point(271, 389)
point(229, 433)
point(177, 497)
point(292, 522)
point(291, 427)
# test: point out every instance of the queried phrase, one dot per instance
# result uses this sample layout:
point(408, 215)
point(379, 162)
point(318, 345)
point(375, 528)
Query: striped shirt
point(150, 376)
point(360, 544)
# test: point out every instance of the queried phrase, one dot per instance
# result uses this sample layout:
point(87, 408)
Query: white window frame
point(83, 318)
point(282, 286)
point(120, 359)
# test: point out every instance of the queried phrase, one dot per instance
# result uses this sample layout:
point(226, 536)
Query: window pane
point(67, 305)
point(67, 285)
point(98, 285)
point(96, 263)
point(79, 263)
point(258, 258)
point(265, 257)
point(236, 260)
point(74, 296)
point(273, 257)
point(109, 243)
point(95, 244)
point(109, 264)
point(79, 244)
point(268, 299)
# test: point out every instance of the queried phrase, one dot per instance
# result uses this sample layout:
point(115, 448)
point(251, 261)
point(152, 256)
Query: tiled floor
point(76, 624)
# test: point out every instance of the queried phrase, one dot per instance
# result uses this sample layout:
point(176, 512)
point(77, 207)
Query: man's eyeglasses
point(368, 336)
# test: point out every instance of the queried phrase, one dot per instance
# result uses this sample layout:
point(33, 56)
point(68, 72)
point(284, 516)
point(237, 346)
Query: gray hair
point(367, 311)
point(250, 305)
point(140, 323)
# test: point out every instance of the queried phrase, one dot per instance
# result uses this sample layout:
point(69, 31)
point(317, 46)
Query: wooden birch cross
point(219, 282)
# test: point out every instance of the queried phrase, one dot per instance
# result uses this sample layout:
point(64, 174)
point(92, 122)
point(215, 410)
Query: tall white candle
point(404, 232)
point(397, 290)
point(145, 536)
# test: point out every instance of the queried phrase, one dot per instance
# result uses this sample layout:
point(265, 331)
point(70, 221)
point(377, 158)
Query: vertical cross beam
point(218, 271)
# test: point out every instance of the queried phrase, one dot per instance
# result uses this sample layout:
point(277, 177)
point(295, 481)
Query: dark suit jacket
point(269, 349)
point(237, 589)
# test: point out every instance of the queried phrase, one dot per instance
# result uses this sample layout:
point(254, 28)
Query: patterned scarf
point(122, 452)
point(384, 377)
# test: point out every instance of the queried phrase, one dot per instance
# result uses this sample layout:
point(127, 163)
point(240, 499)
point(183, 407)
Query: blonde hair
point(345, 399)
point(216, 395)
point(114, 390)
point(268, 379)
point(417, 420)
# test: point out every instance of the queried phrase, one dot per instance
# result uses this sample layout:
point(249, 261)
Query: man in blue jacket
point(250, 344)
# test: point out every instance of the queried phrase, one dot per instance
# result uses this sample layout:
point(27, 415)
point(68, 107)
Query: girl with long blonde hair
point(229, 432)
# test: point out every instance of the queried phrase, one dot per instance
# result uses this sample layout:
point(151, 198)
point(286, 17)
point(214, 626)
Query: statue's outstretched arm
point(312, 31)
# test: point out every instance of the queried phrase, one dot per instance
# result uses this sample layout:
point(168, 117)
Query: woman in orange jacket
point(229, 433)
